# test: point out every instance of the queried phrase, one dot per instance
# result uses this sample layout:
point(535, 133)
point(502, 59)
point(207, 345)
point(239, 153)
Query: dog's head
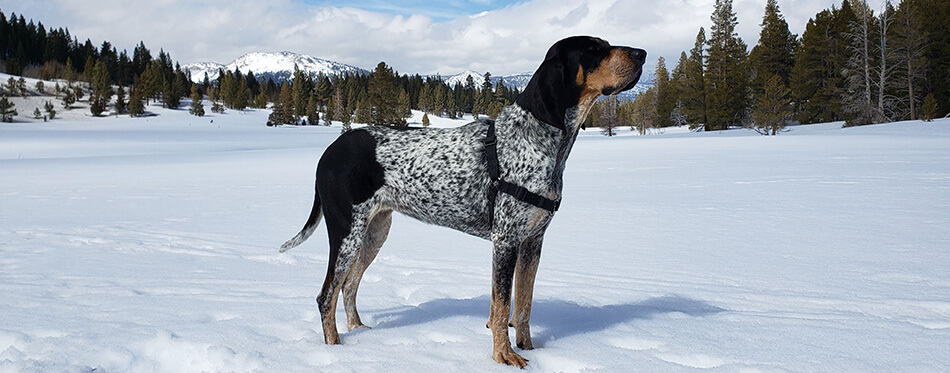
point(575, 72)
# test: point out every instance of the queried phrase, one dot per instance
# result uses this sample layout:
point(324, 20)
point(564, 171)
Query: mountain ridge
point(279, 66)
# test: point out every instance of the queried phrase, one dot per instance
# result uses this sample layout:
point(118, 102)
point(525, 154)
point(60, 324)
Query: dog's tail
point(315, 215)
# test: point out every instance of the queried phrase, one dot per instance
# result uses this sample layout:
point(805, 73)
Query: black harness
point(499, 185)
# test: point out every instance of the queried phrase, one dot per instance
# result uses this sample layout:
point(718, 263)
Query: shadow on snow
point(550, 318)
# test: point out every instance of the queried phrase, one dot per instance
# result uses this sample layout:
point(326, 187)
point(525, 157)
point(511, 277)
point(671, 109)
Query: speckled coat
point(440, 176)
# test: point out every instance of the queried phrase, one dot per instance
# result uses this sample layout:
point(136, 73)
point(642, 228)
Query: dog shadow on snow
point(549, 318)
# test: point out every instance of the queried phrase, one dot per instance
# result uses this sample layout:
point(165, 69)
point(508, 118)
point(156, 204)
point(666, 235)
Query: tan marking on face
point(610, 73)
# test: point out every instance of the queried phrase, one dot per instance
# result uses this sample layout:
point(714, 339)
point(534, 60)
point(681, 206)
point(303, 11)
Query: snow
point(150, 244)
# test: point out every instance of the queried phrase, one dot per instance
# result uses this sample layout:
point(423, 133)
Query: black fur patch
point(348, 174)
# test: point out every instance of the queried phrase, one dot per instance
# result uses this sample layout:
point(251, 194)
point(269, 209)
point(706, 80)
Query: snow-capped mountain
point(277, 66)
point(462, 77)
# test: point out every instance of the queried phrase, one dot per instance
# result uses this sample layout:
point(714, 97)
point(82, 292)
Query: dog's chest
point(528, 152)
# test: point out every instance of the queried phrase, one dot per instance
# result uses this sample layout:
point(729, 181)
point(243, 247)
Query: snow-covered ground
point(150, 244)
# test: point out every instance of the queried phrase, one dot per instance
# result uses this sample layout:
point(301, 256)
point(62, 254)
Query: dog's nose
point(638, 55)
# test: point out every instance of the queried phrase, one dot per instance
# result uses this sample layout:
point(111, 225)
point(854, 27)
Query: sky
point(420, 36)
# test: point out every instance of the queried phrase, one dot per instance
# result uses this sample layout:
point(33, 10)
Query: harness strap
point(519, 192)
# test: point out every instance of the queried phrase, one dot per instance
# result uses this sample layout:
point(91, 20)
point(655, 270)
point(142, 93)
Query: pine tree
point(68, 98)
point(241, 95)
point(363, 114)
point(11, 86)
point(181, 87)
point(337, 105)
point(101, 88)
point(323, 90)
point(665, 94)
point(260, 101)
point(775, 52)
point(21, 86)
point(70, 74)
point(313, 113)
point(816, 82)
point(937, 51)
point(644, 111)
point(929, 107)
point(383, 97)
point(151, 81)
point(425, 119)
point(7, 110)
point(285, 113)
point(300, 93)
point(773, 107)
point(136, 104)
point(37, 114)
point(276, 116)
point(726, 77)
point(403, 105)
point(78, 92)
point(910, 42)
point(197, 106)
point(50, 109)
point(121, 106)
point(693, 90)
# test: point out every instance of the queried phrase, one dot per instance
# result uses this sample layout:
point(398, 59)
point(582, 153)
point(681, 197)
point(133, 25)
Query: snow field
point(150, 244)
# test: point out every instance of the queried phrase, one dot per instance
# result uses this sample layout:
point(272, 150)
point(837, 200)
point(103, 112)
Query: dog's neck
point(566, 136)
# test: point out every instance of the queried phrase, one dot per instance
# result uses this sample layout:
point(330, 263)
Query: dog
point(499, 180)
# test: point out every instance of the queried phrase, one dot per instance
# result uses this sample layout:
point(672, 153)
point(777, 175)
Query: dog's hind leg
point(525, 270)
point(376, 232)
point(346, 240)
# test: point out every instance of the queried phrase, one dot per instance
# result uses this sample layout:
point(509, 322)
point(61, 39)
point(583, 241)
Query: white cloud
point(508, 40)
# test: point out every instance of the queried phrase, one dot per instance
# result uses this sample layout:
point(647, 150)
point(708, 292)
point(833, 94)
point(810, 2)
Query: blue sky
point(418, 36)
point(439, 11)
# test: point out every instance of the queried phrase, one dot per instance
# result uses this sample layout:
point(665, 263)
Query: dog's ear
point(552, 89)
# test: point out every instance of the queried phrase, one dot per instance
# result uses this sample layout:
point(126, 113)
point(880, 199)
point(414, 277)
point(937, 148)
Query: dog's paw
point(526, 345)
point(357, 326)
point(509, 357)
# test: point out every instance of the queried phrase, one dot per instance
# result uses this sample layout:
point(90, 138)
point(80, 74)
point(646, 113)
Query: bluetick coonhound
point(499, 180)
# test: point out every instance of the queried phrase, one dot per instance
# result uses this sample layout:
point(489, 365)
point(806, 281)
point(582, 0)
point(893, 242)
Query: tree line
point(384, 97)
point(134, 80)
point(851, 64)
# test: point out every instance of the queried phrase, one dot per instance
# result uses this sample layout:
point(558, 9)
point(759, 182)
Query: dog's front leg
point(525, 271)
point(503, 260)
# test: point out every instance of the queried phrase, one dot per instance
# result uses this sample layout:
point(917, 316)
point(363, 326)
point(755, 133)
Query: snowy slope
point(277, 66)
point(151, 245)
